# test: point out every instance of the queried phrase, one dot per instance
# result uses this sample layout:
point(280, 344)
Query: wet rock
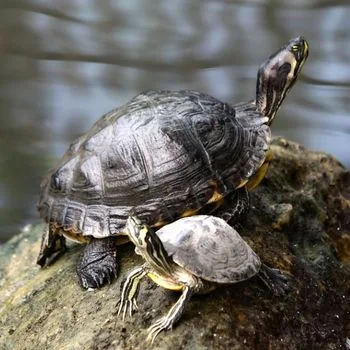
point(299, 222)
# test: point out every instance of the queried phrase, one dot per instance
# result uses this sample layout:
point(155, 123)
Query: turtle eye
point(55, 182)
point(295, 48)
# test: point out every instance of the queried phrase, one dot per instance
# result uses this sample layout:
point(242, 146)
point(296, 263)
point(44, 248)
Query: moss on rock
point(299, 222)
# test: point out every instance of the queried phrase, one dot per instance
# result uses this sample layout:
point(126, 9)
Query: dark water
point(63, 64)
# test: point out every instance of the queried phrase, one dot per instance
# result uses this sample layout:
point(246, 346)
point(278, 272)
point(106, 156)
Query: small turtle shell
point(210, 249)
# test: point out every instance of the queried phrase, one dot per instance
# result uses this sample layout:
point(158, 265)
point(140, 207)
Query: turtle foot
point(53, 245)
point(274, 279)
point(235, 208)
point(98, 263)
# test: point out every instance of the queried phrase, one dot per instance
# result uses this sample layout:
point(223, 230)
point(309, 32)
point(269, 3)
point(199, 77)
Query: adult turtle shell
point(162, 156)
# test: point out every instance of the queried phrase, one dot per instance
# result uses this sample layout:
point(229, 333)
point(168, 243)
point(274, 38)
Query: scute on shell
point(209, 248)
point(155, 157)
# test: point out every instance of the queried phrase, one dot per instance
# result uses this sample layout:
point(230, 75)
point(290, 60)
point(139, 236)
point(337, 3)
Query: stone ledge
point(299, 222)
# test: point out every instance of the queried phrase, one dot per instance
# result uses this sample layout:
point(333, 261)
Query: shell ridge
point(145, 162)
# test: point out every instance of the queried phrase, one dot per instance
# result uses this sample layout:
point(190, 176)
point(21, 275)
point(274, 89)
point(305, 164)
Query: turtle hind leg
point(53, 245)
point(235, 208)
point(274, 279)
point(98, 263)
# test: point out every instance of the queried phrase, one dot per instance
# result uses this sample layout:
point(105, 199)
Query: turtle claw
point(96, 277)
point(134, 303)
point(126, 307)
point(98, 263)
point(275, 280)
point(129, 292)
point(162, 324)
point(174, 314)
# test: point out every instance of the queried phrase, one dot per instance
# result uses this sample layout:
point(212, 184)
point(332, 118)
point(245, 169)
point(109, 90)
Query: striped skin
point(278, 74)
point(191, 255)
point(201, 245)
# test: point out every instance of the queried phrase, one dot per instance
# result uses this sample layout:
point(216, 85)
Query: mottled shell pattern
point(209, 248)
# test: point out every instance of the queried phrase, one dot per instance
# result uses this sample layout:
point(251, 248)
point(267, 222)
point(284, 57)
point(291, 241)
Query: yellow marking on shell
point(167, 284)
point(189, 212)
point(122, 239)
point(242, 183)
point(258, 177)
point(216, 197)
point(269, 156)
point(255, 180)
point(71, 233)
point(160, 223)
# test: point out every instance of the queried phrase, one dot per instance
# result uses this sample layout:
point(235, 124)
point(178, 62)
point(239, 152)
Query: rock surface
point(299, 222)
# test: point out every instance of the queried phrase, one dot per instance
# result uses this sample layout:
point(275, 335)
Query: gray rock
point(299, 222)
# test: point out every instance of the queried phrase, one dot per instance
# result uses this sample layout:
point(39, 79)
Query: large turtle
point(191, 255)
point(162, 156)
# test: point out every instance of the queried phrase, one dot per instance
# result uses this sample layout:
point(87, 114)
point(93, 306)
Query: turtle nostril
point(55, 182)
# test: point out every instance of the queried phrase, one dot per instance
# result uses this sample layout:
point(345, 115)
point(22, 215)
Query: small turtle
point(162, 156)
point(191, 255)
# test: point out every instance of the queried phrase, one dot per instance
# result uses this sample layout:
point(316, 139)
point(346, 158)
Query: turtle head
point(147, 244)
point(278, 74)
point(138, 232)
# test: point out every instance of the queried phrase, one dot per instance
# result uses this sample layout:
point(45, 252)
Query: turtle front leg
point(53, 245)
point(274, 279)
point(235, 207)
point(173, 315)
point(98, 263)
point(130, 291)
